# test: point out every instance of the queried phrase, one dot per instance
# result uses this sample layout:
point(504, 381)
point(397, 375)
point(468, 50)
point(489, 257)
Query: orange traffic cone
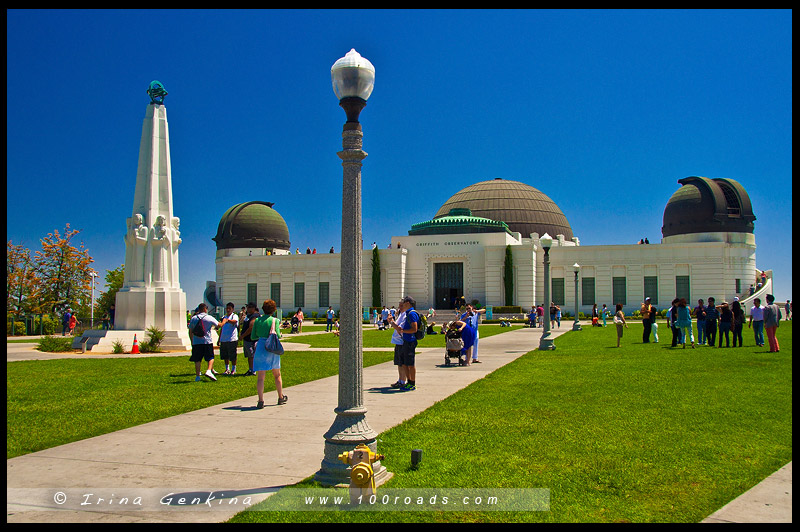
point(135, 350)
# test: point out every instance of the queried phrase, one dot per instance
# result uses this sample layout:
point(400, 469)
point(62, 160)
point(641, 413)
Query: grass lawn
point(376, 338)
point(53, 402)
point(644, 433)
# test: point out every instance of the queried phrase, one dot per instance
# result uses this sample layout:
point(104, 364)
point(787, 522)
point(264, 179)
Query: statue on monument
point(136, 237)
point(161, 245)
point(157, 92)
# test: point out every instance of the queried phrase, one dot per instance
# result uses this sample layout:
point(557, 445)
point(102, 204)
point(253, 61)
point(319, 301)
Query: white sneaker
point(210, 375)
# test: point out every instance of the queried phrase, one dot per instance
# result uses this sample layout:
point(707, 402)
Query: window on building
point(558, 291)
point(651, 289)
point(619, 291)
point(682, 287)
point(324, 297)
point(738, 286)
point(275, 293)
point(252, 293)
point(587, 290)
point(299, 295)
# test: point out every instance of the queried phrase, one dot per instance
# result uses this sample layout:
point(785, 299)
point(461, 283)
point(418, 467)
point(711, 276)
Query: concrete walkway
point(99, 479)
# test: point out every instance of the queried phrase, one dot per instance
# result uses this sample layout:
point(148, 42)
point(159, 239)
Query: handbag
point(273, 344)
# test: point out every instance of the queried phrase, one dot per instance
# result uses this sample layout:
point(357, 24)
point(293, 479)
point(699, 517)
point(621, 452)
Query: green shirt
point(263, 326)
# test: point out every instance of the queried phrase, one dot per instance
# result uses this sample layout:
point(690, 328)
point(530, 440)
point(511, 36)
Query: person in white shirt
point(757, 321)
point(203, 346)
point(229, 339)
point(397, 340)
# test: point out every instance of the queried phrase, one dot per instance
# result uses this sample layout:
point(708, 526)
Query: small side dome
point(704, 205)
point(254, 224)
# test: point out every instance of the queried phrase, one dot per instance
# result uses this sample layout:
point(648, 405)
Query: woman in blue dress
point(468, 336)
point(264, 360)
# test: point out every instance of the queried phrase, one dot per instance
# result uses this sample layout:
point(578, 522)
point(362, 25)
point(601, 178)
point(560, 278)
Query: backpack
point(198, 329)
point(421, 326)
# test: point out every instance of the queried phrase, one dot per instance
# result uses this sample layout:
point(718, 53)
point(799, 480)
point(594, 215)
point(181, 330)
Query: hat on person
point(736, 298)
point(647, 299)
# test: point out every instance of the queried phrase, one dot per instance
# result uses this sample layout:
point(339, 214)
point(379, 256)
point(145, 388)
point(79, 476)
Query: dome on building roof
point(458, 221)
point(704, 205)
point(254, 224)
point(523, 208)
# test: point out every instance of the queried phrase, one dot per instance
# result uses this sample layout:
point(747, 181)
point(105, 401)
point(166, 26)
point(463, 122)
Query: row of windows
point(323, 290)
point(619, 289)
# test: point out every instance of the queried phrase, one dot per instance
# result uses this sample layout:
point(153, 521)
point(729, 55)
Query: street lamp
point(545, 342)
point(353, 78)
point(91, 322)
point(577, 325)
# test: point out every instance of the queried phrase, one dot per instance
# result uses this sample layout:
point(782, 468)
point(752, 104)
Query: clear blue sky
point(603, 111)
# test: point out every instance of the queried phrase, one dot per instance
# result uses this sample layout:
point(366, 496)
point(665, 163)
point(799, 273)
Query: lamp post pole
point(576, 326)
point(91, 319)
point(545, 342)
point(353, 78)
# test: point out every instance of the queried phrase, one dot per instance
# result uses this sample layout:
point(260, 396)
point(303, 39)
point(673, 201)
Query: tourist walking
point(65, 321)
point(409, 347)
point(788, 310)
point(712, 317)
point(684, 322)
point(700, 317)
point(619, 321)
point(646, 321)
point(202, 343)
point(738, 323)
point(248, 345)
point(229, 339)
point(604, 313)
point(757, 322)
point(772, 320)
point(300, 317)
point(397, 341)
point(263, 360)
point(725, 323)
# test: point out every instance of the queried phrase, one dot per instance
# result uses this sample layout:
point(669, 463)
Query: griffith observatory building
point(707, 249)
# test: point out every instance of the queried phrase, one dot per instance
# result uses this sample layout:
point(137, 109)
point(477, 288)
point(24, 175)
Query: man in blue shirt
point(408, 330)
point(330, 316)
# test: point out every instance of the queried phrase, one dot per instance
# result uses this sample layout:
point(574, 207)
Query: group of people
point(310, 251)
point(255, 331)
point(536, 316)
point(727, 319)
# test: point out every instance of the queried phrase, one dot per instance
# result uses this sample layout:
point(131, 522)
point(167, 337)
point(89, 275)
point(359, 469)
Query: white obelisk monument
point(151, 292)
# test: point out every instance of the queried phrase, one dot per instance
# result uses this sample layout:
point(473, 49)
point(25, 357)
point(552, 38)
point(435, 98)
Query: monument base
point(102, 341)
point(138, 308)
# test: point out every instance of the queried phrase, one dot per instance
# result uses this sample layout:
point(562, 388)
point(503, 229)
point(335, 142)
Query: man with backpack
point(202, 344)
point(407, 351)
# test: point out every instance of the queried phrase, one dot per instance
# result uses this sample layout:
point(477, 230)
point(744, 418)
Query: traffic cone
point(135, 350)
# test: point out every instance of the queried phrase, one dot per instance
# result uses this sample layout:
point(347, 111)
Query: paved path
point(185, 454)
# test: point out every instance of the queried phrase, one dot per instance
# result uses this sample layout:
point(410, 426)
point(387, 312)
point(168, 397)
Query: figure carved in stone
point(161, 246)
point(136, 242)
point(176, 241)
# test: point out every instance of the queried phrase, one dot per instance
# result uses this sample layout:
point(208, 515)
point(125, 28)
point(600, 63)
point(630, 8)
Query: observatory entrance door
point(448, 284)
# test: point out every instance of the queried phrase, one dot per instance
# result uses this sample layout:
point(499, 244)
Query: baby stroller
point(295, 324)
point(453, 346)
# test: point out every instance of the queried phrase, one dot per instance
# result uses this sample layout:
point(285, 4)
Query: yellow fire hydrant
point(362, 477)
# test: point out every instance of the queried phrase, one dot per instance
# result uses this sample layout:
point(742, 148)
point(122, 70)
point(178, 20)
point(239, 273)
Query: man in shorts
point(248, 345)
point(229, 339)
point(408, 350)
point(202, 346)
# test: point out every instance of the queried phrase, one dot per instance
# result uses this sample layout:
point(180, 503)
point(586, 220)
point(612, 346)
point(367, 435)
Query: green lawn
point(53, 402)
point(644, 433)
point(376, 338)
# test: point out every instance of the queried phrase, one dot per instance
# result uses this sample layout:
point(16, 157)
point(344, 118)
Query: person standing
point(112, 311)
point(540, 314)
point(604, 313)
point(397, 341)
point(700, 317)
point(474, 320)
point(725, 323)
point(738, 323)
point(263, 360)
point(229, 339)
point(532, 317)
point(772, 320)
point(202, 346)
point(409, 347)
point(684, 322)
point(329, 315)
point(65, 321)
point(300, 317)
point(672, 320)
point(248, 344)
point(654, 325)
point(788, 310)
point(646, 322)
point(757, 322)
point(712, 317)
point(619, 321)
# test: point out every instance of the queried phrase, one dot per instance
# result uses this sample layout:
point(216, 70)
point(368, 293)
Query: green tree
point(376, 278)
point(114, 279)
point(63, 270)
point(508, 276)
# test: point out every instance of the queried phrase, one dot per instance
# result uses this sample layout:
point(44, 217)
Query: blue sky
point(603, 111)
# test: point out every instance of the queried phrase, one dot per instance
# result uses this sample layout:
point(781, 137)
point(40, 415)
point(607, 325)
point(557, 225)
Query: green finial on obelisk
point(157, 92)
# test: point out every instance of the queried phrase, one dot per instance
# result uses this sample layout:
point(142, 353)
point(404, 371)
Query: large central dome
point(525, 209)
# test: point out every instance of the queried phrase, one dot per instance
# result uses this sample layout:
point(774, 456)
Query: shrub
point(19, 328)
point(117, 347)
point(154, 338)
point(509, 309)
point(55, 344)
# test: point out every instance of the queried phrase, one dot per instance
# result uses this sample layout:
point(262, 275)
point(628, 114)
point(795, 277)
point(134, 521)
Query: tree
point(508, 276)
point(114, 279)
point(63, 270)
point(376, 278)
point(22, 283)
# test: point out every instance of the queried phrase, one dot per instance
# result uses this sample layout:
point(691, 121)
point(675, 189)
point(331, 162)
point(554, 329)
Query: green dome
point(254, 224)
point(458, 221)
